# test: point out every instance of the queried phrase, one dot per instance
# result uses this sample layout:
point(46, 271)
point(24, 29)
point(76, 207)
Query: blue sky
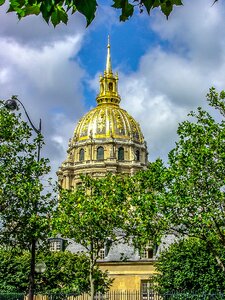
point(165, 68)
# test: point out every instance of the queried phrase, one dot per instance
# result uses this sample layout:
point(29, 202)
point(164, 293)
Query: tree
point(91, 215)
point(25, 206)
point(146, 190)
point(58, 11)
point(188, 266)
point(65, 272)
point(195, 196)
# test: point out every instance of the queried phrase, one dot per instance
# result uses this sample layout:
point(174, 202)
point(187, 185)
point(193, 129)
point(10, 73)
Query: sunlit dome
point(106, 140)
point(108, 120)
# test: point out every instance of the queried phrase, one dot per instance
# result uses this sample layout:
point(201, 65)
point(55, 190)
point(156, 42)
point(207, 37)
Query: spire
point(108, 60)
point(108, 93)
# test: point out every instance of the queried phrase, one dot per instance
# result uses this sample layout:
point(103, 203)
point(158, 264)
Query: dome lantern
point(108, 83)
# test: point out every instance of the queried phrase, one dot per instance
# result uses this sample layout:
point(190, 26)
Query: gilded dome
point(106, 140)
point(108, 121)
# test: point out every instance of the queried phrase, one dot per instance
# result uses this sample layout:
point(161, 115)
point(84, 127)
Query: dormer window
point(56, 244)
point(147, 253)
point(102, 253)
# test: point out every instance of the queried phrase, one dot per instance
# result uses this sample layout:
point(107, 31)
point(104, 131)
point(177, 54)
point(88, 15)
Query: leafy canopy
point(189, 266)
point(25, 206)
point(194, 198)
point(56, 11)
point(146, 191)
point(65, 272)
point(91, 215)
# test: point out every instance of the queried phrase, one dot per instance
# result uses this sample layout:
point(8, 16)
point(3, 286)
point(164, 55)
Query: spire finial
point(108, 60)
point(108, 93)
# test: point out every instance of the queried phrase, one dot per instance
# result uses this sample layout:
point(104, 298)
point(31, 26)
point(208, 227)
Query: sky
point(165, 67)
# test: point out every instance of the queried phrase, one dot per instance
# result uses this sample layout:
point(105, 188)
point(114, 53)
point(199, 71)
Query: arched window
point(81, 155)
point(110, 86)
point(137, 154)
point(100, 153)
point(121, 153)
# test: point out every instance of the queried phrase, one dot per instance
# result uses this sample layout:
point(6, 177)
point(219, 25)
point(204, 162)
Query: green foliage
point(146, 193)
point(57, 11)
point(24, 206)
point(194, 202)
point(65, 272)
point(186, 198)
point(91, 214)
point(187, 266)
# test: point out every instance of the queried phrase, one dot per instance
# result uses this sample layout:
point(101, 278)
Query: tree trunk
point(32, 270)
point(92, 287)
point(91, 277)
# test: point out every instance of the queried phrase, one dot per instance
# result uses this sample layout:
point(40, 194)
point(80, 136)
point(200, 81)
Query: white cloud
point(42, 67)
point(174, 78)
point(34, 31)
point(47, 79)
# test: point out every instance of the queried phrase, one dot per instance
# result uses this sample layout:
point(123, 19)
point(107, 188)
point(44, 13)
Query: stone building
point(108, 139)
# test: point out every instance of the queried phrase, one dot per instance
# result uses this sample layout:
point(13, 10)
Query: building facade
point(107, 139)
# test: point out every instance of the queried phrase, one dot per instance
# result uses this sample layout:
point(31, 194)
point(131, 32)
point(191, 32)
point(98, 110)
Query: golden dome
point(107, 139)
point(108, 120)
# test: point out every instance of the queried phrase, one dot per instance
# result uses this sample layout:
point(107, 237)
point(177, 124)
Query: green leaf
point(2, 2)
point(55, 19)
point(59, 15)
point(45, 12)
point(87, 8)
point(177, 2)
point(148, 5)
point(127, 9)
point(166, 8)
point(32, 10)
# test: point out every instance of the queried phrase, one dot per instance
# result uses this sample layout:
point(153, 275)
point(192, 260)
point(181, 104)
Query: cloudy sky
point(165, 68)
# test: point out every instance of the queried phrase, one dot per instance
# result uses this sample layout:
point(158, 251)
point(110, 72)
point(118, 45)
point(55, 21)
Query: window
point(100, 153)
point(137, 155)
point(147, 292)
point(102, 253)
point(110, 86)
point(121, 153)
point(55, 245)
point(81, 155)
point(147, 252)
